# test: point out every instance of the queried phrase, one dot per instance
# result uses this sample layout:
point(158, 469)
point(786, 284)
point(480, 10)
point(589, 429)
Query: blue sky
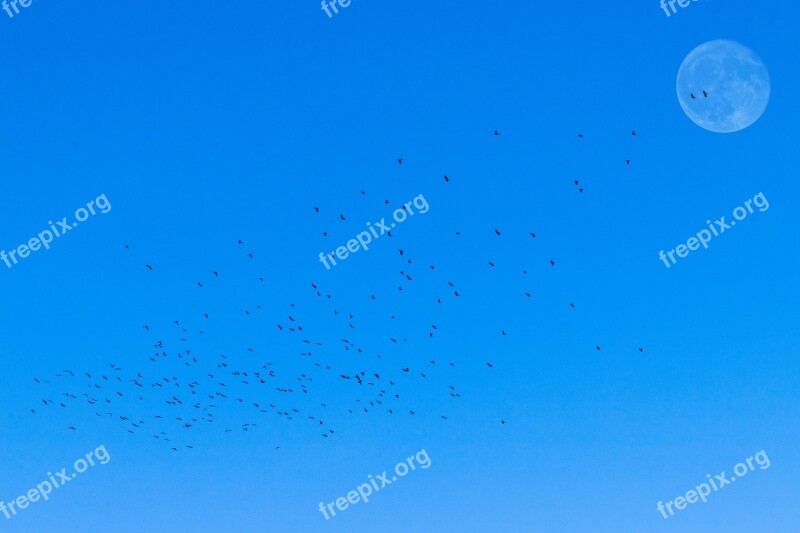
point(205, 123)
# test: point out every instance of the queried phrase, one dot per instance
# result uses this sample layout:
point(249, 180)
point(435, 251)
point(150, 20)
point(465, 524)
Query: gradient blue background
point(207, 122)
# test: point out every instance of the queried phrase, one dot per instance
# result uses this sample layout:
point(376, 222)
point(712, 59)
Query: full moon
point(723, 86)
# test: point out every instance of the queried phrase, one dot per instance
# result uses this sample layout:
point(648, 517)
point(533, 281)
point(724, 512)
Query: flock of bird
point(196, 389)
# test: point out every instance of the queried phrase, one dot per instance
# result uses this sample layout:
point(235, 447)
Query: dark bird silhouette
point(705, 94)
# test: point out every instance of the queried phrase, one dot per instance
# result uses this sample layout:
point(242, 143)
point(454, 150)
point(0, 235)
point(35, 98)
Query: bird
point(705, 94)
point(633, 133)
point(496, 132)
point(149, 267)
point(692, 95)
point(446, 179)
